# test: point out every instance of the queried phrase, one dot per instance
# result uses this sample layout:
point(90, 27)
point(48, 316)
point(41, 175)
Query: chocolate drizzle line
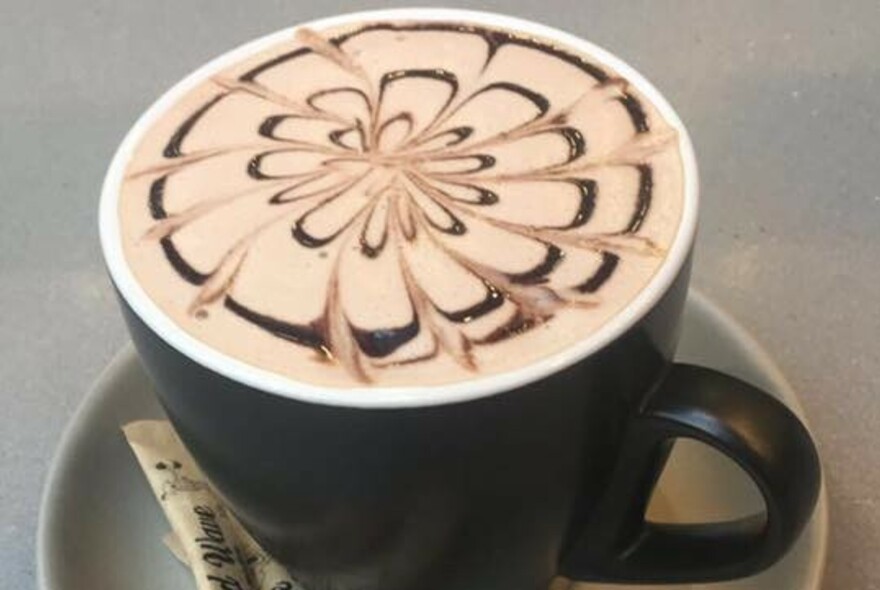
point(643, 205)
point(157, 198)
point(372, 250)
point(267, 127)
point(173, 147)
point(519, 300)
point(494, 41)
point(381, 343)
point(587, 189)
point(492, 301)
point(602, 274)
point(634, 107)
point(538, 274)
point(300, 334)
point(179, 263)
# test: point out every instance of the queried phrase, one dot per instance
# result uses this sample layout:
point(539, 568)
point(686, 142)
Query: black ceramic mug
point(497, 483)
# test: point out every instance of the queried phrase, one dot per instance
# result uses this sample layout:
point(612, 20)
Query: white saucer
point(100, 527)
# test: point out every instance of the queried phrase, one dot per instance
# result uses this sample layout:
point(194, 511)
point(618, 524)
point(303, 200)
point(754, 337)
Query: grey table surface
point(783, 102)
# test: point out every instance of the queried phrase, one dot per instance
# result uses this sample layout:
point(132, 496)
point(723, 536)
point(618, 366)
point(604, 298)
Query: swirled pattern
point(402, 195)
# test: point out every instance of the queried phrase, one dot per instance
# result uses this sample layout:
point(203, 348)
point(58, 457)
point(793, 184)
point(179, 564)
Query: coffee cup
point(499, 480)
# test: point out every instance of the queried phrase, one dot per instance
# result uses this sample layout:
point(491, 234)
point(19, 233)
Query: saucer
point(100, 526)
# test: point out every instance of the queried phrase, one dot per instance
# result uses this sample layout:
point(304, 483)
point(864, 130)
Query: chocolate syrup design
point(413, 181)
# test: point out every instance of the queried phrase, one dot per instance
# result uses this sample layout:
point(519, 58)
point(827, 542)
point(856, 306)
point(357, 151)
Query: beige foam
point(399, 180)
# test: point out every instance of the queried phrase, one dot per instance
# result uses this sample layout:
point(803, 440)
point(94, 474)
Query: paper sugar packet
point(206, 536)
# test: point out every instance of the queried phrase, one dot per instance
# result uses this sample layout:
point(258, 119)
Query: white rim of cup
point(397, 396)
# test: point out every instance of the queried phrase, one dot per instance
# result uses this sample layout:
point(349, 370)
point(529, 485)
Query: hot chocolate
point(402, 203)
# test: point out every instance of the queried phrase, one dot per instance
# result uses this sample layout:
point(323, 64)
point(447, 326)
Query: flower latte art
point(400, 203)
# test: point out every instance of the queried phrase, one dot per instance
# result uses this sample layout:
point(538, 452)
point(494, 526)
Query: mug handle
point(758, 432)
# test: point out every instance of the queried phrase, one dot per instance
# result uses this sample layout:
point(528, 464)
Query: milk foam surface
point(402, 203)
